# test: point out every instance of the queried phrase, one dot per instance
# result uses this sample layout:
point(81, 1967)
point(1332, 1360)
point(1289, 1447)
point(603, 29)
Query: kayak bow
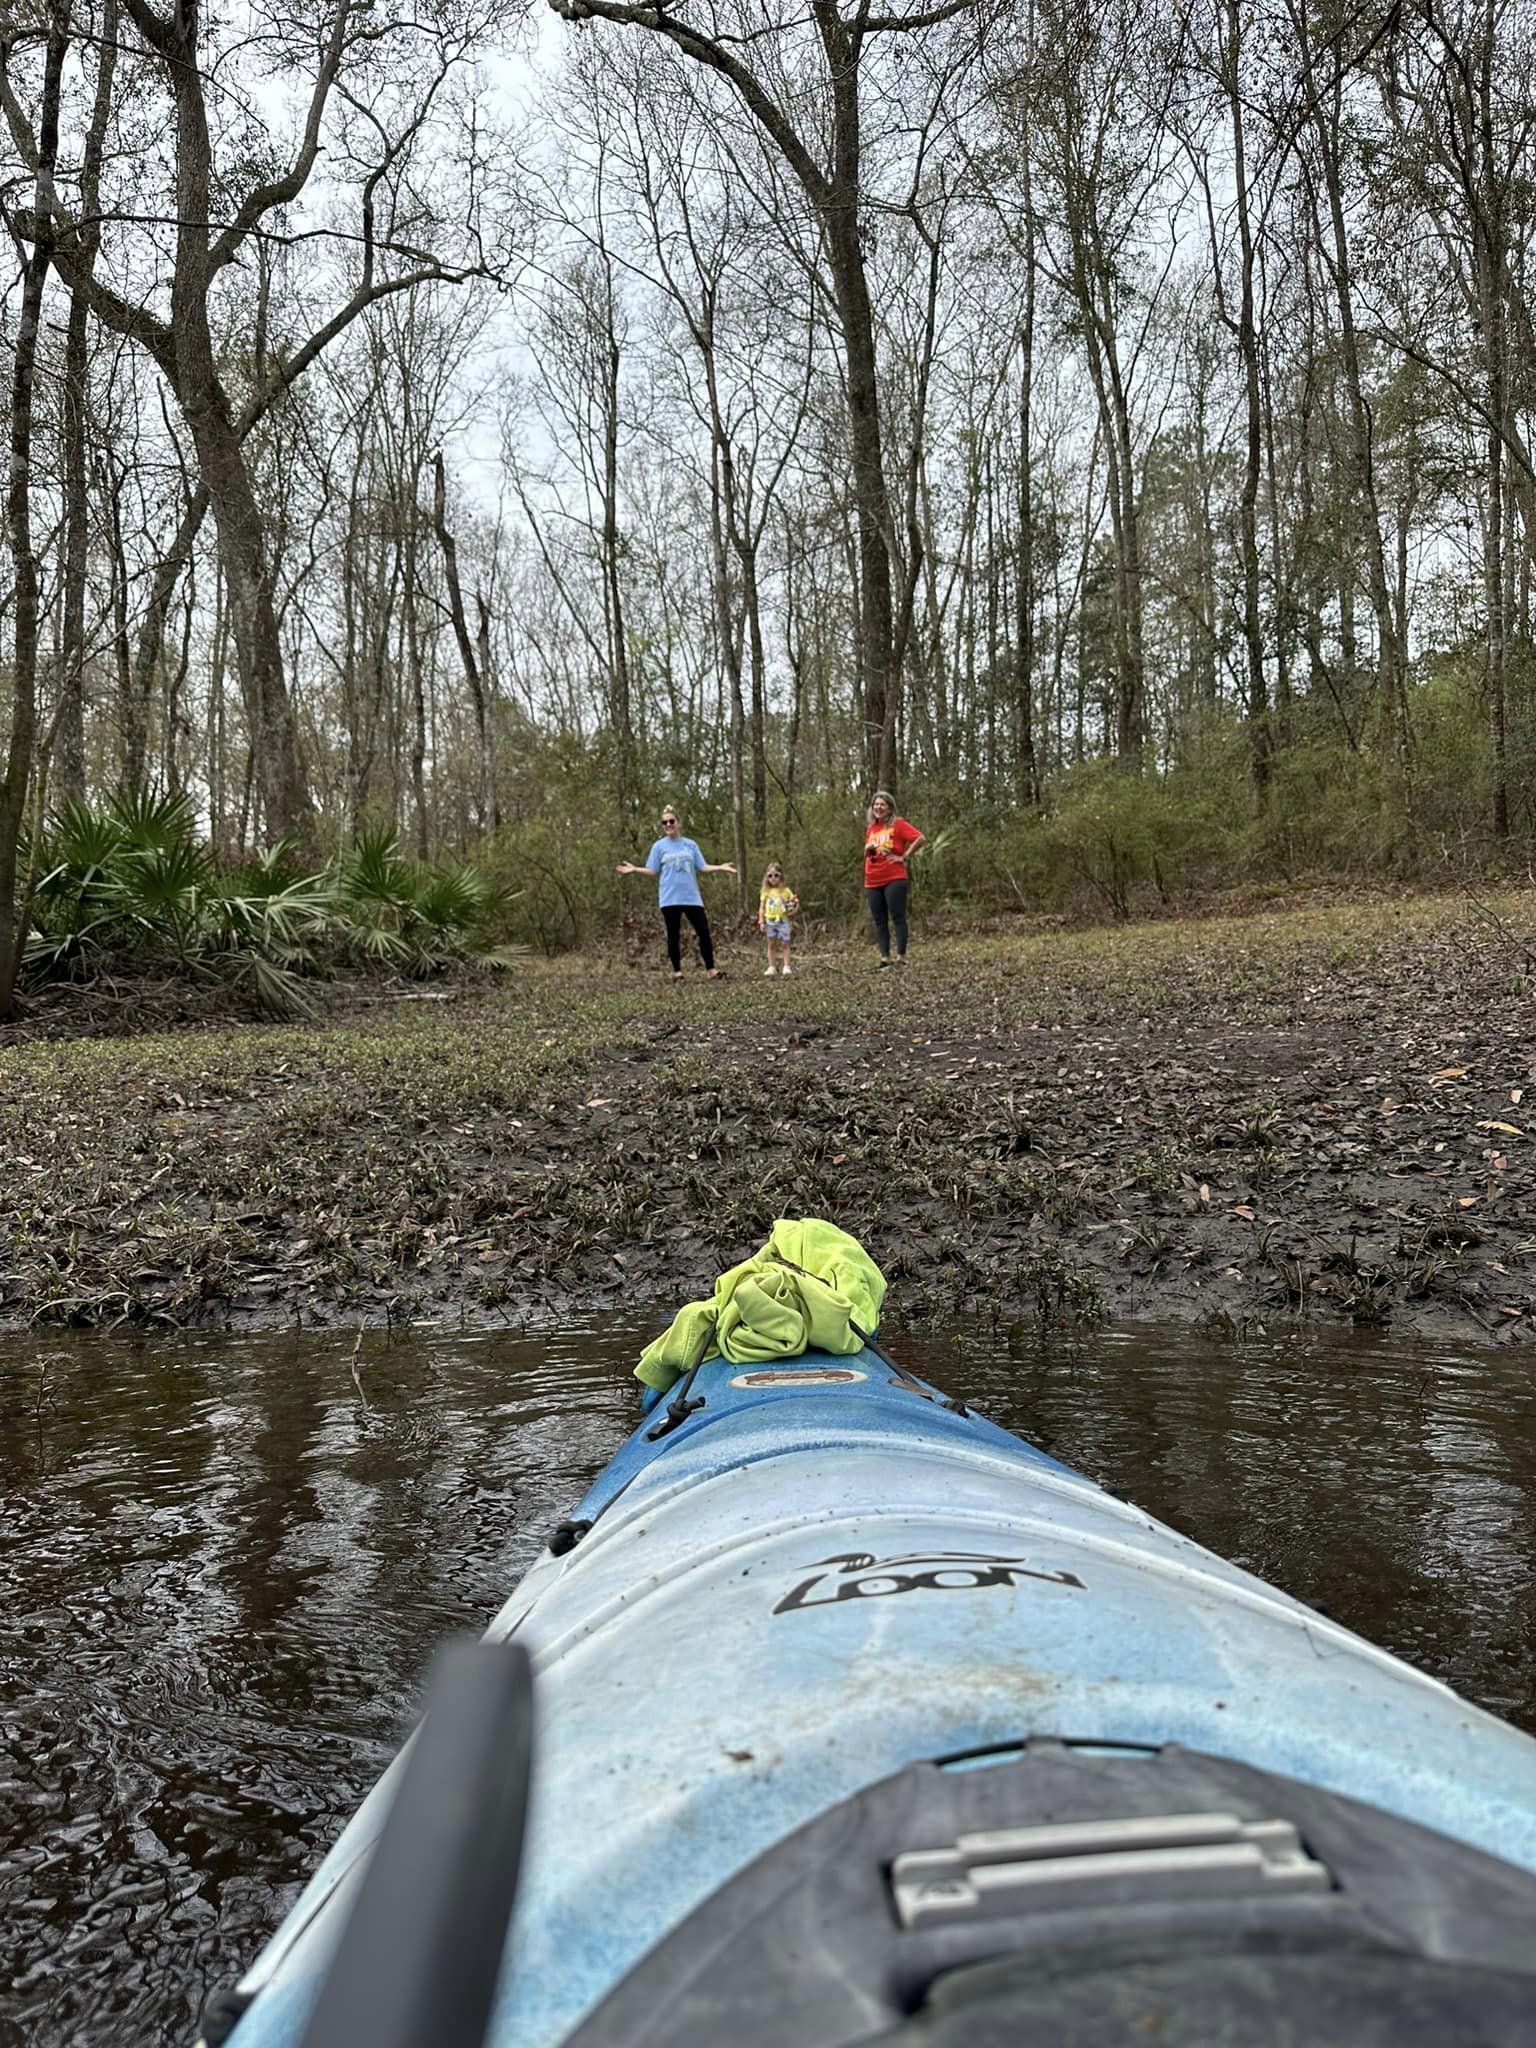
point(759, 1622)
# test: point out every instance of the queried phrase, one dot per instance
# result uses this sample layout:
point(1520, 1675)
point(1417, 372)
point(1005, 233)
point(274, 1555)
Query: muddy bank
point(1320, 1114)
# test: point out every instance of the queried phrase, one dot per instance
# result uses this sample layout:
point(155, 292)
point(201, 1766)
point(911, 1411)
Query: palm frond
point(451, 899)
point(275, 990)
point(81, 842)
point(152, 823)
point(374, 871)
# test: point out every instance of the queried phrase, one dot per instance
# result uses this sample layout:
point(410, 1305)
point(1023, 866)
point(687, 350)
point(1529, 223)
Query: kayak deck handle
point(1100, 1862)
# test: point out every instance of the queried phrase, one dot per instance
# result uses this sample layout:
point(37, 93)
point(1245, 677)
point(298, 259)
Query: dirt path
point(1318, 1114)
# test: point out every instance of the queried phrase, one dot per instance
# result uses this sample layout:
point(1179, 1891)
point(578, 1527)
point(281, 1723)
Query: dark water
point(222, 1576)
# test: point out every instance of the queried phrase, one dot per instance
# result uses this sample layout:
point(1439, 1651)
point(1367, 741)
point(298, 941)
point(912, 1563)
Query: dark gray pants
point(888, 908)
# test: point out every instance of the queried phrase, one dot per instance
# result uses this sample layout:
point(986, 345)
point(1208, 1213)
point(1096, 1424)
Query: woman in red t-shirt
point(888, 844)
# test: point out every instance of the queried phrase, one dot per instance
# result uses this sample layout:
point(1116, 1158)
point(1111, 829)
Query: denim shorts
point(777, 928)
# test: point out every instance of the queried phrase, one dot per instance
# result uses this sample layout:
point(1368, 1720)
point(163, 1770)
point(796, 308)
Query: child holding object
point(777, 904)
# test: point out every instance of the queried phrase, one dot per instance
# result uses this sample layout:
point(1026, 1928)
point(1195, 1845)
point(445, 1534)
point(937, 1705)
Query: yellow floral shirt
point(777, 905)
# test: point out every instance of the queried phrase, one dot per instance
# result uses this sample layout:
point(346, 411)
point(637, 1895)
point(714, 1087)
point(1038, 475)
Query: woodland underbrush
point(126, 890)
point(1101, 844)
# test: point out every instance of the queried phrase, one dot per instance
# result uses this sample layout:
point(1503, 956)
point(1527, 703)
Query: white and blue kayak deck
point(822, 1575)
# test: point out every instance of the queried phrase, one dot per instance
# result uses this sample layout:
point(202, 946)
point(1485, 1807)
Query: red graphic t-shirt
point(885, 852)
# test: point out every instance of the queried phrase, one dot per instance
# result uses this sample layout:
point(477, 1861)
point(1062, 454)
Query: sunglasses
point(668, 821)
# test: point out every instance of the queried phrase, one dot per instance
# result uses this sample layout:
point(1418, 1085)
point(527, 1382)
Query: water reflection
point(1394, 1487)
point(224, 1567)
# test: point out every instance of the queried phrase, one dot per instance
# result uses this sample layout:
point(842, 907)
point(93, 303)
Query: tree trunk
point(1284, 571)
point(747, 554)
point(1391, 678)
point(69, 731)
point(1490, 255)
point(18, 508)
point(850, 285)
point(1496, 639)
point(483, 702)
point(69, 743)
point(729, 636)
point(187, 356)
point(285, 800)
point(1026, 766)
point(1260, 738)
point(1093, 283)
point(132, 705)
point(274, 732)
point(618, 641)
point(489, 820)
point(418, 682)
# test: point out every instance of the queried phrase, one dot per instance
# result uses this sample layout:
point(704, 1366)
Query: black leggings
point(674, 913)
point(888, 908)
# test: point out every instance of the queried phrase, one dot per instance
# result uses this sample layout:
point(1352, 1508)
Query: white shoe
point(769, 972)
point(784, 970)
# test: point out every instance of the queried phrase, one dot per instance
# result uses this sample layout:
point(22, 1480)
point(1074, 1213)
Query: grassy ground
point(1318, 1112)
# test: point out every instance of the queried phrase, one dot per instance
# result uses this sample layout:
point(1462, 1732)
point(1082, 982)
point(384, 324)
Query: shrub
point(127, 886)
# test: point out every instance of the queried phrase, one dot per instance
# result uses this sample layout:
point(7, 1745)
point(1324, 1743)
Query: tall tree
point(215, 210)
point(824, 149)
point(34, 240)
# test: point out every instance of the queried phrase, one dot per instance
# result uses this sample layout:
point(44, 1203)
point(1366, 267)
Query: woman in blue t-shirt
point(678, 863)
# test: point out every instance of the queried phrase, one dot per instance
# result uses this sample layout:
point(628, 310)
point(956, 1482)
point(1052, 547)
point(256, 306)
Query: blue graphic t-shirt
point(678, 863)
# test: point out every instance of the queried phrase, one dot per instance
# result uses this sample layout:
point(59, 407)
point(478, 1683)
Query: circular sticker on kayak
point(808, 1376)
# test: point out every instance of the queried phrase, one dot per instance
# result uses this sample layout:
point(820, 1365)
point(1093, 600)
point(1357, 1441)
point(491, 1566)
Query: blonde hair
point(767, 871)
point(881, 796)
point(671, 811)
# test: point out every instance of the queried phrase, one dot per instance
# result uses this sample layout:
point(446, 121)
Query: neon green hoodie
point(806, 1290)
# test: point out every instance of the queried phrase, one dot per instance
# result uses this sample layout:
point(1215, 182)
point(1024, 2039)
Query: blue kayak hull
point(822, 1576)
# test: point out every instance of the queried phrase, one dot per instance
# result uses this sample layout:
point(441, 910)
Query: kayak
point(851, 1709)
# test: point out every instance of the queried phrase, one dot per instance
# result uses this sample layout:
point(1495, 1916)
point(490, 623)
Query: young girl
point(775, 907)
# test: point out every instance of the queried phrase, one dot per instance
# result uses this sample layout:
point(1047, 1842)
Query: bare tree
point(215, 214)
point(34, 241)
point(474, 654)
point(824, 148)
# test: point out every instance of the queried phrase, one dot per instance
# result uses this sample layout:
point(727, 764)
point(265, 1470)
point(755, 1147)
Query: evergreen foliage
point(127, 886)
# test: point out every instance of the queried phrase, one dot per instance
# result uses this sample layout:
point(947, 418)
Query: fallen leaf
point(1515, 1094)
point(1513, 1130)
point(1246, 1214)
point(1450, 1074)
point(1467, 1201)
